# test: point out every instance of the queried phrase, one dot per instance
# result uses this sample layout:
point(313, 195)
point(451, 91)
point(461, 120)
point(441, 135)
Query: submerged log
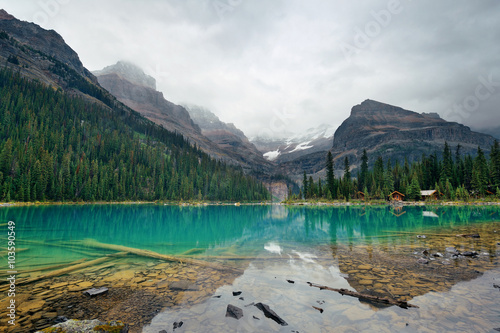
point(370, 298)
point(469, 235)
point(62, 271)
point(151, 254)
point(46, 268)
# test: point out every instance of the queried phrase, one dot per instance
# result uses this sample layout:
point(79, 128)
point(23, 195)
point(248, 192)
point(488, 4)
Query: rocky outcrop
point(388, 131)
point(229, 138)
point(131, 86)
point(48, 42)
point(396, 133)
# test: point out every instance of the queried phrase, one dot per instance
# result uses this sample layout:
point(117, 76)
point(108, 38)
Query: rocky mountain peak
point(5, 16)
point(208, 121)
point(130, 72)
point(48, 42)
point(396, 133)
point(371, 107)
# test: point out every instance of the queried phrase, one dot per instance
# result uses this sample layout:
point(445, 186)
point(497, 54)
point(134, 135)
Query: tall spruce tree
point(330, 176)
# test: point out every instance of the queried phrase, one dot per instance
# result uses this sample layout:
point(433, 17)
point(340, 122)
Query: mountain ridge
point(131, 86)
point(391, 132)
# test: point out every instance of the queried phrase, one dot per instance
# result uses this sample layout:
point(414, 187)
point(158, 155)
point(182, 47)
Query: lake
point(441, 259)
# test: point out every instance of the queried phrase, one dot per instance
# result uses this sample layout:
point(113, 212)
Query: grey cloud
point(252, 60)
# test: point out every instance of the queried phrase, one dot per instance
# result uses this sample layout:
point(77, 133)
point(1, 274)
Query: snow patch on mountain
point(272, 155)
point(302, 146)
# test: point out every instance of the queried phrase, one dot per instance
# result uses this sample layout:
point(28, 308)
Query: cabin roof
point(427, 193)
point(396, 192)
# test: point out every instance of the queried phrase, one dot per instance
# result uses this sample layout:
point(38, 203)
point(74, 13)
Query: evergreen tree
point(346, 181)
point(479, 182)
point(447, 166)
point(330, 177)
point(363, 176)
point(413, 191)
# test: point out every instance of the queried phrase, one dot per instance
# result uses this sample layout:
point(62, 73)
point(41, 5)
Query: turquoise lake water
point(174, 229)
point(324, 244)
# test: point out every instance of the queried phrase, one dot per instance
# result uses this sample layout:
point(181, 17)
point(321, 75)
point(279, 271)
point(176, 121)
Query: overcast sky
point(288, 65)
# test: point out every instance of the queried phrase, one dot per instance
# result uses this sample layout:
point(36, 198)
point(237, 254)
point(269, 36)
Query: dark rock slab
point(60, 319)
point(237, 293)
point(271, 314)
point(470, 254)
point(96, 291)
point(178, 324)
point(234, 311)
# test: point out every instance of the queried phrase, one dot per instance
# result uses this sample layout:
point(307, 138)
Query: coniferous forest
point(453, 176)
point(56, 147)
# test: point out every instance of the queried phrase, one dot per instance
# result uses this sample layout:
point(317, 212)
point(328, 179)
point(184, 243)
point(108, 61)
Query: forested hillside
point(454, 176)
point(56, 147)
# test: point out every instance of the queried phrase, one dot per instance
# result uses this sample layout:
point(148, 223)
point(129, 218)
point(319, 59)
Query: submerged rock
point(234, 311)
point(422, 261)
point(182, 285)
point(80, 326)
point(95, 291)
point(271, 314)
point(178, 324)
point(451, 249)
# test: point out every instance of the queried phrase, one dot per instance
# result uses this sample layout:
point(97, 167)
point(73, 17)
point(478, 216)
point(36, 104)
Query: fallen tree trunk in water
point(151, 254)
point(58, 272)
point(370, 298)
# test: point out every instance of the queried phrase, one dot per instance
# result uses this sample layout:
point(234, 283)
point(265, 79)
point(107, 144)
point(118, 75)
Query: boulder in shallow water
point(95, 291)
point(234, 312)
point(182, 285)
point(271, 314)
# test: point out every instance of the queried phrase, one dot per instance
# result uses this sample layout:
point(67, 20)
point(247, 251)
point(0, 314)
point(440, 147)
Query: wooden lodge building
point(429, 195)
point(396, 196)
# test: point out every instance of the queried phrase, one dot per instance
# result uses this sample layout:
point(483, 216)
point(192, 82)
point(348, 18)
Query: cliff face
point(131, 86)
point(150, 103)
point(229, 138)
point(391, 132)
point(47, 41)
point(396, 133)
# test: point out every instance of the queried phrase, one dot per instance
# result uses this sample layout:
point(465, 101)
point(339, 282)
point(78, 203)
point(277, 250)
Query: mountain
point(131, 86)
point(314, 140)
point(63, 137)
point(228, 137)
point(391, 132)
point(41, 53)
point(396, 133)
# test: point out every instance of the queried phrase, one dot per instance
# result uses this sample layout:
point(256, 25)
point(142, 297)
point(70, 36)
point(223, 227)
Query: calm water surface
point(358, 248)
